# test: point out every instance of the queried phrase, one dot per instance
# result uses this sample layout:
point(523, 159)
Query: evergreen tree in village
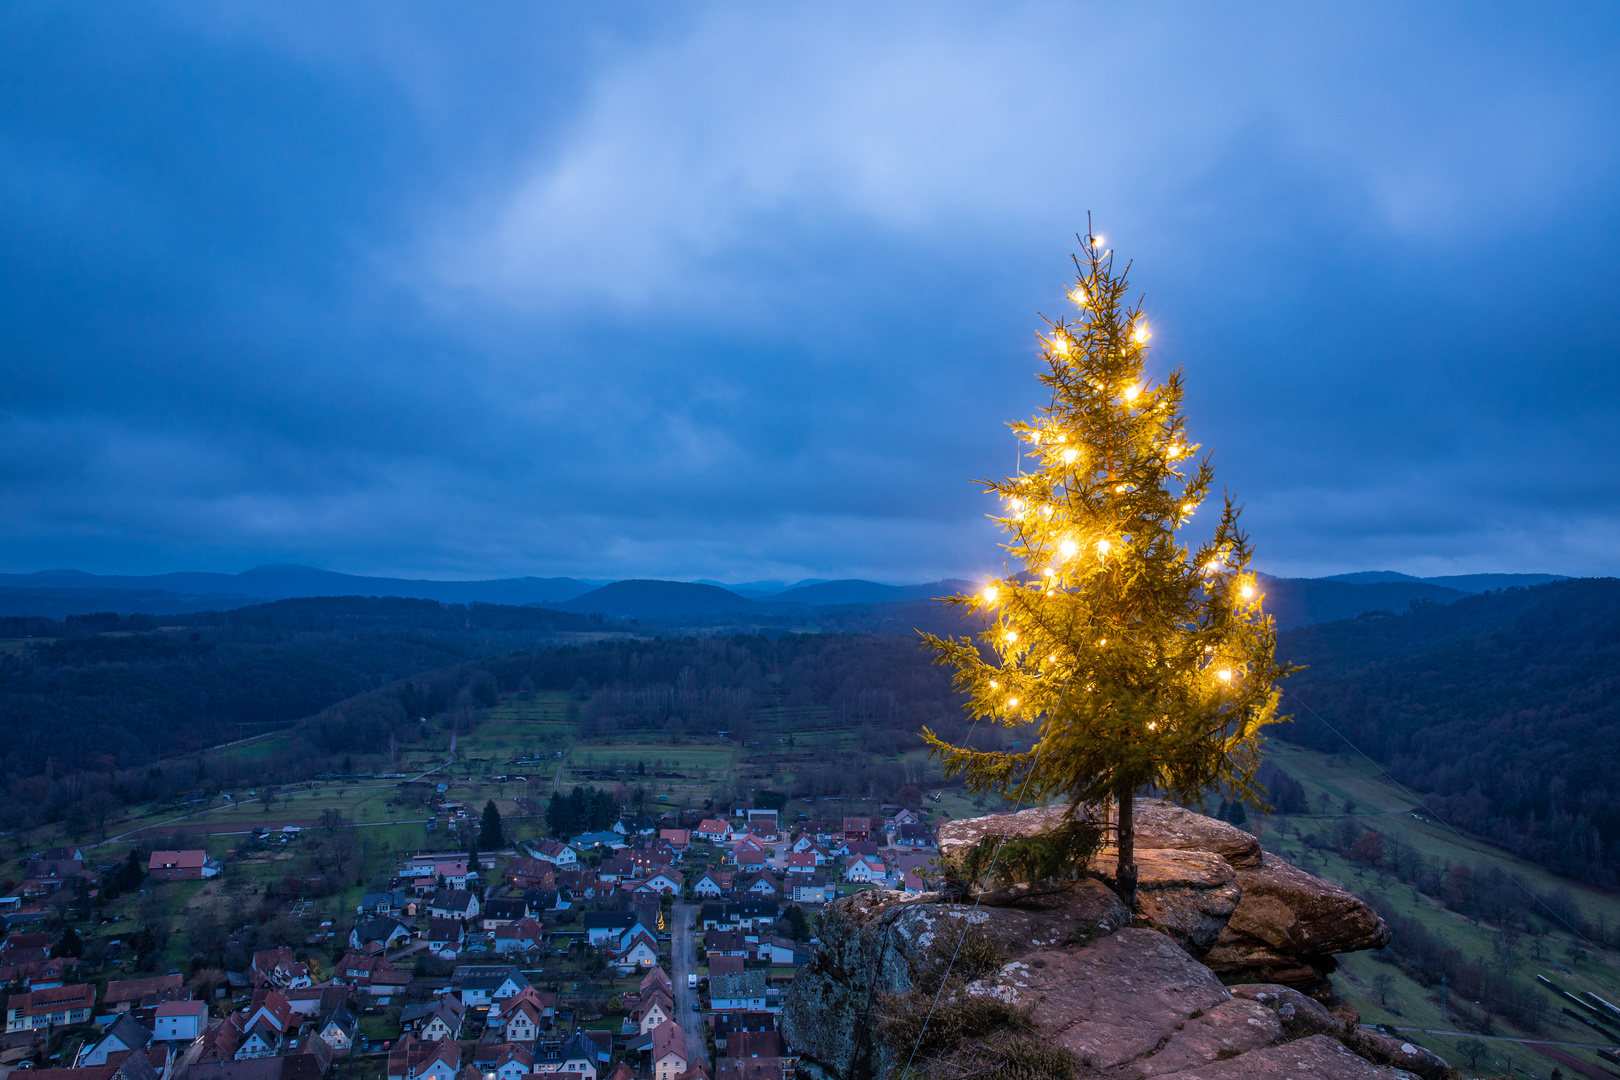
point(1141, 664)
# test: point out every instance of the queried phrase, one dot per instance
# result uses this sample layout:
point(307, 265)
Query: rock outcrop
point(1126, 1001)
point(1251, 916)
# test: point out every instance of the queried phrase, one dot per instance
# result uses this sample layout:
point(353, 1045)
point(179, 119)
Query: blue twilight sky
point(742, 291)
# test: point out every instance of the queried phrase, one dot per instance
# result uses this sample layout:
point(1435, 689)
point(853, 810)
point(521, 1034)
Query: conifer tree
point(491, 836)
point(1139, 663)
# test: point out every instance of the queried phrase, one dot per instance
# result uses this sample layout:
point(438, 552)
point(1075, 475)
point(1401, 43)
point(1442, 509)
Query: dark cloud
point(739, 293)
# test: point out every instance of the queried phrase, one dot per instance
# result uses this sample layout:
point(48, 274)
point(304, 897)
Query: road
point(683, 962)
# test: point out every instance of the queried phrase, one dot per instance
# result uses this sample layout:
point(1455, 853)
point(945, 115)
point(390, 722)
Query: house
point(267, 1025)
point(179, 1021)
point(727, 943)
point(525, 873)
point(740, 914)
point(765, 824)
point(652, 1008)
point(638, 949)
point(801, 862)
point(714, 883)
point(581, 884)
point(913, 835)
point(867, 869)
point(726, 964)
point(373, 975)
point(763, 883)
point(503, 911)
point(58, 1006)
point(754, 1044)
point(780, 950)
point(713, 830)
point(442, 1062)
point(453, 904)
point(576, 1059)
point(387, 903)
point(615, 869)
point(484, 984)
point(545, 1006)
point(276, 968)
point(123, 1034)
point(749, 853)
point(181, 866)
point(444, 938)
point(514, 1062)
point(678, 839)
point(668, 1051)
point(378, 934)
point(313, 1001)
point(426, 870)
point(745, 990)
point(601, 926)
point(751, 1068)
point(902, 817)
point(857, 828)
point(729, 1024)
point(520, 1021)
point(522, 936)
point(815, 889)
point(663, 882)
point(554, 852)
point(593, 841)
point(338, 1028)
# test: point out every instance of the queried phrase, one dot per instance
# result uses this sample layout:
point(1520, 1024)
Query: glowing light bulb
point(994, 685)
point(1225, 674)
point(990, 594)
point(1153, 726)
point(1140, 334)
point(1012, 703)
point(1069, 455)
point(1132, 392)
point(1172, 452)
point(1078, 295)
point(1052, 658)
point(1046, 511)
point(1068, 548)
point(1062, 437)
point(1119, 489)
point(1247, 591)
point(1096, 241)
point(1102, 547)
point(1188, 508)
point(1011, 636)
point(1102, 641)
point(1050, 572)
point(1059, 345)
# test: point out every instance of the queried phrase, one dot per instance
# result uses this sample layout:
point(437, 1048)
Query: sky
point(741, 291)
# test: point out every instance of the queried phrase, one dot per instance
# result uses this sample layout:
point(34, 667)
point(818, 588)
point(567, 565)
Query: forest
point(1499, 710)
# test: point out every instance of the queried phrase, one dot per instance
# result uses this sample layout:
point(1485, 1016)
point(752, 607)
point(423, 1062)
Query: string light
point(1059, 345)
point(1069, 455)
point(1102, 641)
point(1132, 392)
point(1096, 241)
point(1011, 637)
point(1012, 703)
point(994, 685)
point(1140, 334)
point(1247, 591)
point(990, 594)
point(1119, 489)
point(1050, 572)
point(1068, 548)
point(1225, 674)
point(1078, 295)
point(1102, 547)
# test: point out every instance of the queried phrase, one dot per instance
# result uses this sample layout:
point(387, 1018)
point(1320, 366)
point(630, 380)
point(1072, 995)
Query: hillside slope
point(1502, 706)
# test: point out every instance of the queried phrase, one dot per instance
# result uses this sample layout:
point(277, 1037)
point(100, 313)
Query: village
point(658, 948)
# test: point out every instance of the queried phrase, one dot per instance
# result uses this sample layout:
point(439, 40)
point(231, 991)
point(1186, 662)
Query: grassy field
point(1400, 1001)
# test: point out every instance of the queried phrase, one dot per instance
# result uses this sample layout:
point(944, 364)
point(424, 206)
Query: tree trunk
point(1125, 868)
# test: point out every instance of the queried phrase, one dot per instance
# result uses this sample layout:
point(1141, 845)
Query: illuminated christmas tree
point(1142, 665)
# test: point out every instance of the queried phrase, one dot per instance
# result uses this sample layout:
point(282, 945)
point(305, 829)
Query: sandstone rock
point(1314, 1058)
point(1161, 824)
point(955, 837)
point(871, 943)
point(1288, 926)
point(1189, 895)
point(1392, 1050)
point(1113, 1001)
point(1299, 1014)
point(1226, 1030)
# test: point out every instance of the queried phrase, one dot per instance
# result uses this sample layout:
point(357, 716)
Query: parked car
point(691, 982)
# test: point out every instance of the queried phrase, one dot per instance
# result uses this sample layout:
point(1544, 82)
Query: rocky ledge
point(1205, 983)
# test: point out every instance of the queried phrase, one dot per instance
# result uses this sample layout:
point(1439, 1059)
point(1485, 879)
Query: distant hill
point(856, 591)
point(195, 591)
point(1302, 601)
point(642, 598)
point(1469, 583)
point(1504, 707)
